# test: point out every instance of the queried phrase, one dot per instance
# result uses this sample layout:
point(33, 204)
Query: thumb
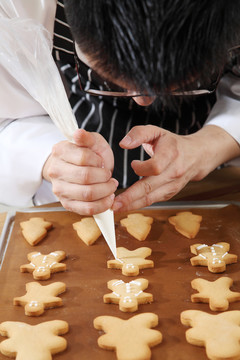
point(83, 138)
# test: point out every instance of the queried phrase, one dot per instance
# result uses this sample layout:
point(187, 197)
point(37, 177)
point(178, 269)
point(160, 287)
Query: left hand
point(175, 160)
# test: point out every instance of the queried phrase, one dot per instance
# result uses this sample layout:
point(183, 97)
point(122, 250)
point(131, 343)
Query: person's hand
point(175, 160)
point(81, 173)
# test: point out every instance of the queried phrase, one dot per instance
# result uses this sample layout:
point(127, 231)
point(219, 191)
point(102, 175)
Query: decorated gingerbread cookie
point(88, 230)
point(220, 334)
point(130, 261)
point(215, 257)
point(217, 293)
point(128, 295)
point(35, 229)
point(38, 342)
point(132, 338)
point(43, 265)
point(186, 223)
point(40, 297)
point(138, 225)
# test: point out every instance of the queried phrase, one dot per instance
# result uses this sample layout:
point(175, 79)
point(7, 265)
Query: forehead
point(104, 75)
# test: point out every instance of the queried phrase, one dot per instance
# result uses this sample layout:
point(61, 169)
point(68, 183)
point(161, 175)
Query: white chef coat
point(27, 133)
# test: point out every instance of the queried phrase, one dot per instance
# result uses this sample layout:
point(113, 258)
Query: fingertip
point(117, 205)
point(126, 141)
point(78, 134)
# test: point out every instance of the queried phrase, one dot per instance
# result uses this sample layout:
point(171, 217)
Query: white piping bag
point(25, 52)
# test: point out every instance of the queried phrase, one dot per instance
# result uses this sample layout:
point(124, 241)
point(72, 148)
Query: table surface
point(220, 185)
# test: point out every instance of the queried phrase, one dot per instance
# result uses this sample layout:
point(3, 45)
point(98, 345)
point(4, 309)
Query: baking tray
point(87, 275)
point(9, 221)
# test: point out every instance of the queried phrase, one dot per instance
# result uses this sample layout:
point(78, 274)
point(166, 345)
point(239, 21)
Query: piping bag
point(25, 52)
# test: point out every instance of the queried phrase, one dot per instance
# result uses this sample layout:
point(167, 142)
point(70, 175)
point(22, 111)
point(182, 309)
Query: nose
point(144, 100)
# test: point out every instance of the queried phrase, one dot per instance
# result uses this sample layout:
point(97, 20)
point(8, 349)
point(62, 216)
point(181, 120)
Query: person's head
point(155, 45)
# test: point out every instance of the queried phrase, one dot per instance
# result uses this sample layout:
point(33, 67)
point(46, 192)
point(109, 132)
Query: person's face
point(140, 100)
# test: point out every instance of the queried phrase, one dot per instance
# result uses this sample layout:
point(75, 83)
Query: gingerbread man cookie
point(138, 225)
point(131, 261)
point(38, 342)
point(216, 293)
point(215, 257)
point(35, 229)
point(88, 230)
point(40, 297)
point(128, 295)
point(132, 338)
point(186, 223)
point(220, 334)
point(43, 265)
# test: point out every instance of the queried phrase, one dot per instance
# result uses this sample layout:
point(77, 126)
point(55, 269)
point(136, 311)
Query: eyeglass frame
point(129, 93)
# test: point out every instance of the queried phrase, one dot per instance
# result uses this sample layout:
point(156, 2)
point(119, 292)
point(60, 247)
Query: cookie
point(39, 297)
point(128, 295)
point(38, 342)
point(186, 223)
point(41, 266)
point(217, 293)
point(88, 230)
point(130, 261)
point(215, 257)
point(132, 338)
point(137, 225)
point(35, 229)
point(220, 334)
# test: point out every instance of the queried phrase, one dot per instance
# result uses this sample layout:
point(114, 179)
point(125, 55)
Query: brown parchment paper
point(87, 275)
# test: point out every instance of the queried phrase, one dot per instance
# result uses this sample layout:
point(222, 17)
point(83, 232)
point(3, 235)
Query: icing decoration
point(39, 297)
point(128, 295)
point(215, 257)
point(131, 261)
point(43, 265)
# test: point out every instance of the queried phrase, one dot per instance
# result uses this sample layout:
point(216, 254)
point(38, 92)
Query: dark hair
point(155, 43)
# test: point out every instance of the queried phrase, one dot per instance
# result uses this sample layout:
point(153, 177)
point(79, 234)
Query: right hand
point(81, 173)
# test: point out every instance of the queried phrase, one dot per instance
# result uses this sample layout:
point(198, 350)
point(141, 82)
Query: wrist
point(218, 147)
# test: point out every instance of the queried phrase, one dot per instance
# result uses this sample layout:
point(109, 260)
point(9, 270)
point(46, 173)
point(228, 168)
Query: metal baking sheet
point(87, 275)
point(178, 205)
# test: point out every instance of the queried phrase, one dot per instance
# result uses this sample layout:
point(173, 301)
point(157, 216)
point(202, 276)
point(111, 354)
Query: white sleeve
point(25, 145)
point(226, 111)
point(27, 133)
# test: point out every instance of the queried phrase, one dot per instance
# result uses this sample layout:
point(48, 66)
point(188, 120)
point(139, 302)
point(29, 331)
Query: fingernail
point(117, 205)
point(126, 140)
point(115, 182)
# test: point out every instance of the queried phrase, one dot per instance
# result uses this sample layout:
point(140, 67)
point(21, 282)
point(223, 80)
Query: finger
point(88, 208)
point(163, 193)
point(97, 144)
point(159, 163)
point(84, 193)
point(138, 190)
point(73, 154)
point(91, 140)
point(149, 167)
point(84, 138)
point(83, 175)
point(144, 188)
point(139, 135)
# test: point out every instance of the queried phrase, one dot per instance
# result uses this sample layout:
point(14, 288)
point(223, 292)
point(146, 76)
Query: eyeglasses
point(120, 92)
